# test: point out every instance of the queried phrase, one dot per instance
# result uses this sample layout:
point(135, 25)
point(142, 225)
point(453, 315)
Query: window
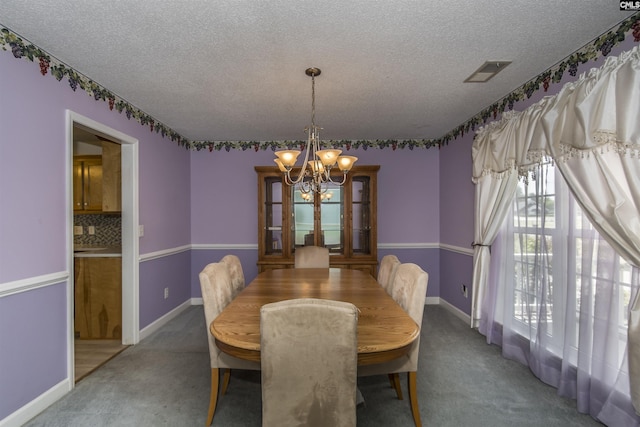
point(567, 287)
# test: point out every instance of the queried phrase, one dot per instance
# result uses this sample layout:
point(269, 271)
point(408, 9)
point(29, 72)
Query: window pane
point(273, 216)
point(361, 215)
point(302, 219)
point(331, 218)
point(564, 274)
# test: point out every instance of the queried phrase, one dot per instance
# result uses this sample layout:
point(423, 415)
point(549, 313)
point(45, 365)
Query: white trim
point(159, 323)
point(197, 301)
point(68, 211)
point(164, 253)
point(408, 245)
point(130, 219)
point(130, 243)
point(457, 249)
point(225, 246)
point(253, 246)
point(23, 285)
point(432, 301)
point(456, 311)
point(37, 405)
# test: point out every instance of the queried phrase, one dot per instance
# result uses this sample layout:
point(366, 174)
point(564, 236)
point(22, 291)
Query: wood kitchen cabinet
point(344, 220)
point(97, 181)
point(111, 177)
point(98, 298)
point(87, 183)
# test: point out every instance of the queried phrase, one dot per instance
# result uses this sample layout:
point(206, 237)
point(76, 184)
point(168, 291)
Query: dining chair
point(217, 293)
point(387, 271)
point(235, 270)
point(311, 257)
point(409, 290)
point(309, 357)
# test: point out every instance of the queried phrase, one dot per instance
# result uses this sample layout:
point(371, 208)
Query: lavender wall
point(456, 193)
point(224, 193)
point(33, 223)
point(34, 345)
point(160, 273)
point(32, 159)
point(456, 222)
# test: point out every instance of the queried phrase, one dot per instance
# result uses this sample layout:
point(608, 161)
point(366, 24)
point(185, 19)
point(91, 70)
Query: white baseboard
point(151, 328)
point(37, 405)
point(196, 301)
point(456, 311)
point(432, 301)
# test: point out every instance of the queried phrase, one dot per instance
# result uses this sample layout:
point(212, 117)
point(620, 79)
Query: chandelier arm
point(344, 179)
point(287, 178)
point(305, 187)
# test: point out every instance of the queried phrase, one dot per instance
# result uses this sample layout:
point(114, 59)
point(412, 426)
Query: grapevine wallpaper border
point(600, 47)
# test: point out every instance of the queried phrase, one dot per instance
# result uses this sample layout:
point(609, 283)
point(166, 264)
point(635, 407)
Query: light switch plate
point(77, 230)
point(140, 230)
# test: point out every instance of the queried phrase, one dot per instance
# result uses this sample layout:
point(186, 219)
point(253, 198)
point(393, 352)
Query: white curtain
point(492, 202)
point(495, 174)
point(591, 129)
point(559, 299)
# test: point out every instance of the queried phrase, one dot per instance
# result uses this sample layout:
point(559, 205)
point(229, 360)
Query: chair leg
point(412, 379)
point(225, 380)
point(391, 381)
point(394, 379)
point(213, 400)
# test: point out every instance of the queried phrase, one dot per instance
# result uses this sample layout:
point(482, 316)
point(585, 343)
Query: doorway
point(112, 324)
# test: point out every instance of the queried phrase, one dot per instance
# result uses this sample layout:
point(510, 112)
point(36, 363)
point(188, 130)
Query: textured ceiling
point(234, 69)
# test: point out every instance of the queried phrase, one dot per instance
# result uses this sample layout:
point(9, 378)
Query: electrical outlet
point(77, 230)
point(463, 288)
point(166, 293)
point(91, 230)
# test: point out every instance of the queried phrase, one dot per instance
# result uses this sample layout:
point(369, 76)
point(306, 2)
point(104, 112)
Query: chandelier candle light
point(315, 173)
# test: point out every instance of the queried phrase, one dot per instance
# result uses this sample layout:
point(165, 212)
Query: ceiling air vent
point(486, 71)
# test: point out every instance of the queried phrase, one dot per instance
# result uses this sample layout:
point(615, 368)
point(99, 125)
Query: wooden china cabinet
point(343, 219)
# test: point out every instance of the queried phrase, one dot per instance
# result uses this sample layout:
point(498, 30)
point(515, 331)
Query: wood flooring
point(91, 354)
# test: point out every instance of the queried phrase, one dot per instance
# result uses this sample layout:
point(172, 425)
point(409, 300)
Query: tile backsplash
point(108, 230)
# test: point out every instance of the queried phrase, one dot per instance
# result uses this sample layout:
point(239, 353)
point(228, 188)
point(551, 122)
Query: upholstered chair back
point(217, 293)
point(311, 257)
point(387, 270)
point(235, 270)
point(409, 290)
point(309, 356)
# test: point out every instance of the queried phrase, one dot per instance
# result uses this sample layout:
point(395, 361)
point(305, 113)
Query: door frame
point(130, 221)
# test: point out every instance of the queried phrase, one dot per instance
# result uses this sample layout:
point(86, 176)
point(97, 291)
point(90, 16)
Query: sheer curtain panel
point(590, 129)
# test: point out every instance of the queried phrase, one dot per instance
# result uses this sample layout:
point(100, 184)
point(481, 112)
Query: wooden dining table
point(385, 330)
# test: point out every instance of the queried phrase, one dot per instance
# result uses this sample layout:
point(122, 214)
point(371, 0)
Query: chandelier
point(315, 172)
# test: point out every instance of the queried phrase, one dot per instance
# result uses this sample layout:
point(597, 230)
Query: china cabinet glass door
point(361, 215)
point(273, 210)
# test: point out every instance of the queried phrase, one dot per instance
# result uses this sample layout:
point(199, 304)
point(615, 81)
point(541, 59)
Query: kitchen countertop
point(96, 251)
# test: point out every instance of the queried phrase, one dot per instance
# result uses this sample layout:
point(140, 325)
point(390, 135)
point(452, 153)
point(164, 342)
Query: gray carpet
point(164, 381)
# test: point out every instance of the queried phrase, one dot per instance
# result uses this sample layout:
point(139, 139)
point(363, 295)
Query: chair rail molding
point(30, 283)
